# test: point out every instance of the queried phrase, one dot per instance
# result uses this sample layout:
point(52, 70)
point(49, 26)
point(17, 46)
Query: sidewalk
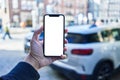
point(19, 30)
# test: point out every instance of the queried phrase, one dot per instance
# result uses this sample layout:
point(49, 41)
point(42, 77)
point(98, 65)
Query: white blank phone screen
point(54, 35)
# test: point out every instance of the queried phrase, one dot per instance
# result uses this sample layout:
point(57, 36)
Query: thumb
point(36, 33)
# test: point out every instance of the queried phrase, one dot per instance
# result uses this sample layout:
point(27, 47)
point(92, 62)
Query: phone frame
point(53, 15)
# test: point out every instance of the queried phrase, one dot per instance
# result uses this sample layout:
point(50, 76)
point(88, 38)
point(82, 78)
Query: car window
point(93, 37)
point(116, 34)
point(111, 35)
point(82, 38)
point(107, 36)
point(75, 38)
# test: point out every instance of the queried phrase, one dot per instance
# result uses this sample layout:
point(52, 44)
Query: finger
point(63, 56)
point(36, 33)
point(65, 49)
point(65, 41)
point(41, 42)
point(55, 58)
point(66, 30)
point(58, 58)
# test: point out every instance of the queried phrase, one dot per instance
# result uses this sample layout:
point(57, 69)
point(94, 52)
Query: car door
point(116, 36)
point(109, 45)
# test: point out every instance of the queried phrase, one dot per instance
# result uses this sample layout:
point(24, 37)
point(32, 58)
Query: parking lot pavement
point(8, 59)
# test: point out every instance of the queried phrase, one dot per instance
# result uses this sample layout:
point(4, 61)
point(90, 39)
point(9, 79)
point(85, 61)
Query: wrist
point(29, 59)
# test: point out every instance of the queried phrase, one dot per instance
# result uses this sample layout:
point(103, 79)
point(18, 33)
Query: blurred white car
point(93, 53)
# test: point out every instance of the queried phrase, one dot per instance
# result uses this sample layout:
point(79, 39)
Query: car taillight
point(82, 51)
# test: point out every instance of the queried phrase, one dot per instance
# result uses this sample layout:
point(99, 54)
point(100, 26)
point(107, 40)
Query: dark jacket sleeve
point(22, 71)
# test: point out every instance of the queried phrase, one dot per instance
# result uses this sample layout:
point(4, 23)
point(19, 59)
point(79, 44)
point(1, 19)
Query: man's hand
point(36, 52)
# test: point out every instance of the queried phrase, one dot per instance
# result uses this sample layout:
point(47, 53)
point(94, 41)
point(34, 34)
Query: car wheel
point(102, 71)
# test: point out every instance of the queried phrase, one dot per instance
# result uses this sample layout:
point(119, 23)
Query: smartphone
point(54, 25)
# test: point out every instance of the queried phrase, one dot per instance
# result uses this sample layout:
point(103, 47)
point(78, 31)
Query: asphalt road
point(11, 53)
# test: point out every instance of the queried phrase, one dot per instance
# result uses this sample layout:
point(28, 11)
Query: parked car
point(71, 23)
point(93, 53)
point(28, 39)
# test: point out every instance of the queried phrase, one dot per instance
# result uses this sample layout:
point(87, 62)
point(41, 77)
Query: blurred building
point(110, 10)
point(4, 16)
point(16, 11)
point(93, 9)
point(70, 8)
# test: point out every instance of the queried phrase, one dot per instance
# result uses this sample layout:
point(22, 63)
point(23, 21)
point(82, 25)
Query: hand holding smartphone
point(54, 25)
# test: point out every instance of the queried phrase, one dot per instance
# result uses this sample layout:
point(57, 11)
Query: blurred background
point(21, 17)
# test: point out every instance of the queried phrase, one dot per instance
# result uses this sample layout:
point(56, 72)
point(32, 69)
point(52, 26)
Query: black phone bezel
point(53, 15)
